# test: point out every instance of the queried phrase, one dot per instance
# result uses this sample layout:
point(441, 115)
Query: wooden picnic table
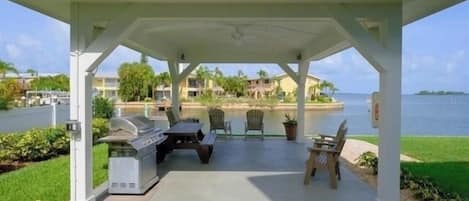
point(188, 135)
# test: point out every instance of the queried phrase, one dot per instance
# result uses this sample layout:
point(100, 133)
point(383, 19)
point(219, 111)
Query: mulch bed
point(11, 166)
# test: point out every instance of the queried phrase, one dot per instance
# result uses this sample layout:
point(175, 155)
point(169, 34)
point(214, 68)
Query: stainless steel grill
point(132, 154)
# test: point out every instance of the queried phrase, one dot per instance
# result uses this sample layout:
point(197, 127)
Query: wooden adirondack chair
point(330, 141)
point(217, 121)
point(255, 122)
point(330, 138)
point(326, 156)
point(174, 118)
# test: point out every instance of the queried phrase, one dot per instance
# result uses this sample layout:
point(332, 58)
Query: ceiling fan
point(239, 35)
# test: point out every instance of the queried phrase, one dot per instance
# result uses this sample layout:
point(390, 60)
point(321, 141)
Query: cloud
point(13, 51)
point(26, 41)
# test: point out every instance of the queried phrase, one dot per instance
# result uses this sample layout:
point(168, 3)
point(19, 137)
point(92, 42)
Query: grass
point(445, 160)
point(49, 180)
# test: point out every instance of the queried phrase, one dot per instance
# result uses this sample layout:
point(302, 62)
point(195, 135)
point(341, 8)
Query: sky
point(435, 52)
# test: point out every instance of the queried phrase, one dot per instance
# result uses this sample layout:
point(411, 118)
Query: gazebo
point(284, 32)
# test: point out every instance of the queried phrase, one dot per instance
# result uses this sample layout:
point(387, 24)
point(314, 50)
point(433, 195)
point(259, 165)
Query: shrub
point(100, 128)
point(324, 99)
point(102, 107)
point(8, 146)
point(33, 146)
point(424, 189)
point(41, 144)
point(59, 140)
point(4, 103)
point(369, 160)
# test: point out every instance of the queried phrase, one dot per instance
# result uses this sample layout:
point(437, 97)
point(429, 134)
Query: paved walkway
point(354, 148)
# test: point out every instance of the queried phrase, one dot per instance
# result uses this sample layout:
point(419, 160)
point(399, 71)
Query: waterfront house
point(285, 85)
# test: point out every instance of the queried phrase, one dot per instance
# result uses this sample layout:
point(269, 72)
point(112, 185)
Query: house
point(285, 85)
point(106, 86)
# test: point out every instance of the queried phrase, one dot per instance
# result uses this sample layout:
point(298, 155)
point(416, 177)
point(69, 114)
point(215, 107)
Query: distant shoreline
point(441, 93)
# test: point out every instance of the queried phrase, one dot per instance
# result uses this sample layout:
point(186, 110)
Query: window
point(192, 94)
point(266, 81)
point(192, 83)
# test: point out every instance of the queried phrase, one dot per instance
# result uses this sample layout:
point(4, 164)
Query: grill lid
point(137, 131)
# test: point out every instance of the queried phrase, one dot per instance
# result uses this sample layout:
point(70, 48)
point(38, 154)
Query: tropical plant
point(262, 74)
point(290, 120)
point(102, 107)
point(143, 59)
point(59, 82)
point(218, 77)
point(6, 67)
point(235, 85)
point(10, 89)
point(368, 160)
point(135, 81)
point(31, 71)
point(328, 88)
point(314, 91)
point(202, 74)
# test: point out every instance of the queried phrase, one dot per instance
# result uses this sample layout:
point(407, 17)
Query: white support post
point(85, 56)
point(303, 68)
point(287, 69)
point(53, 114)
point(174, 72)
point(384, 52)
point(389, 134)
point(81, 158)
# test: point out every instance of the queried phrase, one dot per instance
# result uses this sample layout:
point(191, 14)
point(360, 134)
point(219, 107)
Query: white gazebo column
point(382, 47)
point(178, 74)
point(85, 55)
point(174, 72)
point(303, 68)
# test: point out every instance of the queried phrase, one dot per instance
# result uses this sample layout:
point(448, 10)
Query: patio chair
point(255, 122)
point(330, 141)
point(330, 138)
point(326, 157)
point(174, 118)
point(217, 121)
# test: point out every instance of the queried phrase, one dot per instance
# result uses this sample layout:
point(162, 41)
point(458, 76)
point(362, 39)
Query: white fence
point(23, 119)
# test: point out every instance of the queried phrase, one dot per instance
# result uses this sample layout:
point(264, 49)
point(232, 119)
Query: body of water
point(421, 115)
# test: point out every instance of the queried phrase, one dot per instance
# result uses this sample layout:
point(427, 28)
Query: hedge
point(42, 144)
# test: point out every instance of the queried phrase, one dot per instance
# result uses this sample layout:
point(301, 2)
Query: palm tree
point(202, 74)
point(31, 71)
point(313, 90)
point(143, 59)
point(7, 67)
point(262, 76)
point(163, 79)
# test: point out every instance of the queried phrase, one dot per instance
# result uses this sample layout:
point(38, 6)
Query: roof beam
point(238, 10)
point(287, 69)
point(328, 43)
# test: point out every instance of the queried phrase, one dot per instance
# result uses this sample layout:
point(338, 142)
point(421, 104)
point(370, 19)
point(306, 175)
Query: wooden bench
point(205, 148)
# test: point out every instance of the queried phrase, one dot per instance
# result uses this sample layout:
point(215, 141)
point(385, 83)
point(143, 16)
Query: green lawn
point(49, 180)
point(445, 160)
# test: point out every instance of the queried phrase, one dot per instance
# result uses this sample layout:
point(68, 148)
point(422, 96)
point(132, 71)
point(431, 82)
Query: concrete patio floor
point(270, 170)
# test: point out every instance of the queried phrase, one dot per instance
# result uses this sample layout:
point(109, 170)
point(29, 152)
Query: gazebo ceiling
point(231, 40)
point(237, 39)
